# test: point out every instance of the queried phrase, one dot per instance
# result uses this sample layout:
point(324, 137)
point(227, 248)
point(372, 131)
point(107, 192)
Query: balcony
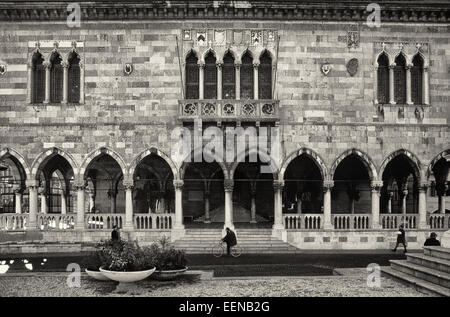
point(229, 110)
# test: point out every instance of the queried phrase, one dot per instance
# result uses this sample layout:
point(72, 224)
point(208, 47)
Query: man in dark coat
point(432, 241)
point(400, 238)
point(230, 239)
point(115, 235)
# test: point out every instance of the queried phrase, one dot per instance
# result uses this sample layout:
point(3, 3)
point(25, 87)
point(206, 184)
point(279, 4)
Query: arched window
point(265, 76)
point(192, 77)
point(56, 78)
point(383, 79)
point(74, 78)
point(416, 80)
point(38, 78)
point(210, 72)
point(400, 80)
point(247, 77)
point(228, 77)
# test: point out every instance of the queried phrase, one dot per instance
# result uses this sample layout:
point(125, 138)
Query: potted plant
point(92, 264)
point(124, 261)
point(170, 262)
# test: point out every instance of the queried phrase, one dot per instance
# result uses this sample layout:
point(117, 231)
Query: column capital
point(376, 185)
point(423, 186)
point(178, 183)
point(392, 66)
point(425, 68)
point(201, 65)
point(219, 64)
point(255, 64)
point(237, 64)
point(328, 184)
point(228, 185)
point(17, 189)
point(278, 185)
point(128, 184)
point(32, 183)
point(112, 193)
point(47, 65)
point(65, 64)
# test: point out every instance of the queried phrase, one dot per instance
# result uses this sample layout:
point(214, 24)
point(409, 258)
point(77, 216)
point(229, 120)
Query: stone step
point(430, 262)
point(419, 284)
point(437, 252)
point(424, 273)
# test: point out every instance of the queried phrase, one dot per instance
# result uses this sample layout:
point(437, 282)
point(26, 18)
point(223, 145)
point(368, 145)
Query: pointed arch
point(382, 80)
point(417, 69)
point(265, 75)
point(401, 62)
point(186, 161)
point(207, 52)
point(412, 158)
point(56, 77)
point(229, 75)
point(103, 150)
point(363, 157)
point(192, 76)
point(247, 75)
point(37, 77)
point(444, 154)
point(320, 163)
point(19, 160)
point(265, 158)
point(269, 51)
point(157, 152)
point(210, 74)
point(73, 76)
point(46, 155)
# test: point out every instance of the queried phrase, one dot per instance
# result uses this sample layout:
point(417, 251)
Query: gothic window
point(74, 78)
point(383, 79)
point(247, 77)
point(416, 80)
point(56, 78)
point(210, 77)
point(400, 80)
point(38, 78)
point(228, 77)
point(265, 76)
point(192, 77)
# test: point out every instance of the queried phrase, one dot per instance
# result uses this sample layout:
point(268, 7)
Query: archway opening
point(12, 181)
point(439, 194)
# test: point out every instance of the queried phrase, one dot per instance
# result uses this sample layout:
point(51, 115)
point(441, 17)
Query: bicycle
point(219, 249)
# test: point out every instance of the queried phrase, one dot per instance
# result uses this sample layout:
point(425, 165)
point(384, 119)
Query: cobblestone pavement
point(193, 286)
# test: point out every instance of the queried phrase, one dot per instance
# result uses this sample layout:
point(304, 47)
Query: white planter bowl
point(97, 275)
point(127, 277)
point(167, 275)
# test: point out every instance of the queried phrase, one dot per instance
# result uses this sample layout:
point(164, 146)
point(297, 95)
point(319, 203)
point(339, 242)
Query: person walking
point(229, 239)
point(401, 238)
point(432, 241)
point(115, 234)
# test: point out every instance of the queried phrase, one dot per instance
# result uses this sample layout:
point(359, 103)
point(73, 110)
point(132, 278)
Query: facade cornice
point(437, 11)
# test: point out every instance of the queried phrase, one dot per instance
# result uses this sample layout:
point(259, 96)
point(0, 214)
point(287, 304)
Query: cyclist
point(229, 239)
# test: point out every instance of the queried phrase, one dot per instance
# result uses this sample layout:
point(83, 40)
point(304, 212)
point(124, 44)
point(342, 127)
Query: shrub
point(93, 261)
point(167, 257)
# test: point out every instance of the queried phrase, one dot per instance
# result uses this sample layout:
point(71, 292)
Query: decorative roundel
point(2, 69)
point(128, 68)
point(268, 109)
point(209, 109)
point(190, 109)
point(228, 109)
point(249, 109)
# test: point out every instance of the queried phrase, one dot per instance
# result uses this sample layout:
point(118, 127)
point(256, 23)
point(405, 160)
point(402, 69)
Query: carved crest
point(2, 69)
point(128, 69)
point(326, 68)
point(352, 66)
point(220, 37)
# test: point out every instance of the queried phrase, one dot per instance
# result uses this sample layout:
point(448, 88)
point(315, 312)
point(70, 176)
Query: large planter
point(168, 275)
point(127, 277)
point(97, 275)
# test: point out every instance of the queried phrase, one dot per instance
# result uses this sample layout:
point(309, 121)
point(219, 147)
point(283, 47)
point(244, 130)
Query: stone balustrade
point(352, 221)
point(104, 221)
point(56, 221)
point(13, 222)
point(229, 110)
point(438, 221)
point(391, 221)
point(298, 221)
point(153, 221)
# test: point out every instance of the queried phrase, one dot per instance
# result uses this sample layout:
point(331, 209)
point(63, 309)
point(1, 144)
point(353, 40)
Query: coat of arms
point(2, 69)
point(352, 66)
point(326, 68)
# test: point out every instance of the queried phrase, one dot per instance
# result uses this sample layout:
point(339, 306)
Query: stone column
point(442, 204)
point(30, 82)
point(178, 184)
point(219, 80)
point(80, 186)
point(376, 187)
point(63, 203)
point(253, 203)
point(375, 85)
point(255, 81)
point(408, 85)
point(228, 185)
point(238, 80)
point(391, 84)
point(327, 185)
point(112, 200)
point(207, 217)
point(33, 186)
point(91, 200)
point(128, 185)
point(43, 195)
point(47, 66)
point(426, 93)
point(278, 204)
point(65, 66)
point(423, 205)
point(389, 205)
point(18, 198)
point(201, 81)
point(405, 194)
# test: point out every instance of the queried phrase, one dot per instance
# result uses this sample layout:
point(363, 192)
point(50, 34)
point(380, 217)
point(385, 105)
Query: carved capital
point(128, 184)
point(47, 65)
point(255, 64)
point(423, 186)
point(178, 184)
point(228, 185)
point(278, 185)
point(392, 66)
point(376, 185)
point(65, 64)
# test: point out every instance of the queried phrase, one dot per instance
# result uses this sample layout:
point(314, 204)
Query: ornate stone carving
point(352, 66)
point(228, 185)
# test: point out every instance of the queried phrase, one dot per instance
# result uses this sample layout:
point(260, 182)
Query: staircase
point(253, 241)
point(428, 272)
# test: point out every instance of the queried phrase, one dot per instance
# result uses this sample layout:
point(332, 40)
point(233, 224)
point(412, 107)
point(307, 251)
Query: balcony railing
point(104, 221)
point(229, 110)
point(351, 221)
point(13, 222)
point(394, 221)
point(153, 221)
point(302, 221)
point(439, 221)
point(56, 221)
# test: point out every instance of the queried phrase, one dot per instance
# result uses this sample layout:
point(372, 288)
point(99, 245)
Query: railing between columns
point(394, 221)
point(153, 221)
point(439, 221)
point(56, 221)
point(13, 222)
point(104, 221)
point(352, 221)
point(296, 221)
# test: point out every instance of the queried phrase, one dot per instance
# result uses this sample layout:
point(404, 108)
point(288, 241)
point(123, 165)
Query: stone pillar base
point(445, 240)
point(177, 233)
point(253, 221)
point(207, 221)
point(328, 226)
point(280, 234)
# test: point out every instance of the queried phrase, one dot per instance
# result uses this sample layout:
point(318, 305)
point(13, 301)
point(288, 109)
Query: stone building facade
point(87, 113)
